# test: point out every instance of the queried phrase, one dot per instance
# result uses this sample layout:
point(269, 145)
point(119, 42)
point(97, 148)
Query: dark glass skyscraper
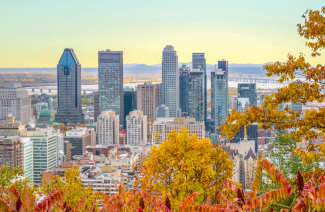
point(110, 82)
point(248, 90)
point(69, 89)
point(130, 101)
point(198, 62)
point(184, 76)
point(197, 105)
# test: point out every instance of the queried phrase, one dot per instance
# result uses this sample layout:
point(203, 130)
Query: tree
point(184, 164)
point(310, 126)
point(7, 174)
point(34, 101)
point(71, 182)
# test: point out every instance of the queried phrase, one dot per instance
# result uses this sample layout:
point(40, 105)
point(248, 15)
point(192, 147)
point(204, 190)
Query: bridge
point(257, 80)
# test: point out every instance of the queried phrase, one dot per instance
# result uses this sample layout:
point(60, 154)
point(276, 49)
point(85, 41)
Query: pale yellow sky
point(34, 33)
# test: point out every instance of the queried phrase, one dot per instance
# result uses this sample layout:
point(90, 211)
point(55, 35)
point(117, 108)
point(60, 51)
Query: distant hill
point(154, 69)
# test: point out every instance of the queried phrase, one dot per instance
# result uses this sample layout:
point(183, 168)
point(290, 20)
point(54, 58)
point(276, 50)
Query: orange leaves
point(277, 176)
point(313, 29)
point(48, 202)
point(189, 200)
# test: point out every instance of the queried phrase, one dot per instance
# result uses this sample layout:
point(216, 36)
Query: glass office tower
point(69, 89)
point(110, 82)
point(184, 77)
point(197, 105)
point(219, 99)
point(130, 101)
point(198, 62)
point(170, 81)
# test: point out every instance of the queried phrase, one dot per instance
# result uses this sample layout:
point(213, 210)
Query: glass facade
point(197, 105)
point(198, 62)
point(130, 101)
point(110, 82)
point(170, 81)
point(248, 90)
point(184, 77)
point(69, 89)
point(219, 99)
point(251, 131)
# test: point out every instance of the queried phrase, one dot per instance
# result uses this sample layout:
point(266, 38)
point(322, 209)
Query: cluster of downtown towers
point(182, 90)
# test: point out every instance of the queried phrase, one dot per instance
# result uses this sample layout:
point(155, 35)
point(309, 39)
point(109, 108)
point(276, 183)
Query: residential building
point(148, 99)
point(100, 149)
point(198, 62)
point(92, 134)
point(162, 111)
point(130, 101)
point(108, 128)
point(122, 139)
point(69, 89)
point(170, 81)
point(163, 126)
point(11, 151)
point(219, 99)
point(43, 150)
point(197, 103)
point(248, 90)
point(79, 139)
point(136, 128)
point(96, 105)
point(110, 82)
point(10, 128)
point(184, 86)
point(15, 100)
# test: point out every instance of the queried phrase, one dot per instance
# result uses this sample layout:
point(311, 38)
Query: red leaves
point(49, 201)
point(189, 200)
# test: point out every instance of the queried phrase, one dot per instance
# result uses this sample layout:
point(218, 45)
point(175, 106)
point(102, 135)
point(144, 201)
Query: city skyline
point(242, 32)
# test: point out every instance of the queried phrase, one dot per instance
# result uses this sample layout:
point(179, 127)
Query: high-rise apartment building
point(198, 62)
point(96, 105)
point(43, 150)
point(69, 89)
point(11, 151)
point(163, 126)
point(197, 106)
point(136, 128)
point(148, 99)
point(248, 90)
point(79, 139)
point(184, 79)
point(130, 101)
point(170, 81)
point(15, 100)
point(108, 128)
point(110, 82)
point(219, 99)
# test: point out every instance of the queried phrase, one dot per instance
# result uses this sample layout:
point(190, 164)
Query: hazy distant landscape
point(133, 69)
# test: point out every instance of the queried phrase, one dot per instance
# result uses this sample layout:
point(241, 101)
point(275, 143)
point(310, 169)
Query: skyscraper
point(110, 82)
point(184, 77)
point(219, 99)
point(148, 99)
point(108, 128)
point(170, 81)
point(69, 89)
point(198, 62)
point(136, 130)
point(248, 90)
point(130, 101)
point(96, 105)
point(197, 105)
